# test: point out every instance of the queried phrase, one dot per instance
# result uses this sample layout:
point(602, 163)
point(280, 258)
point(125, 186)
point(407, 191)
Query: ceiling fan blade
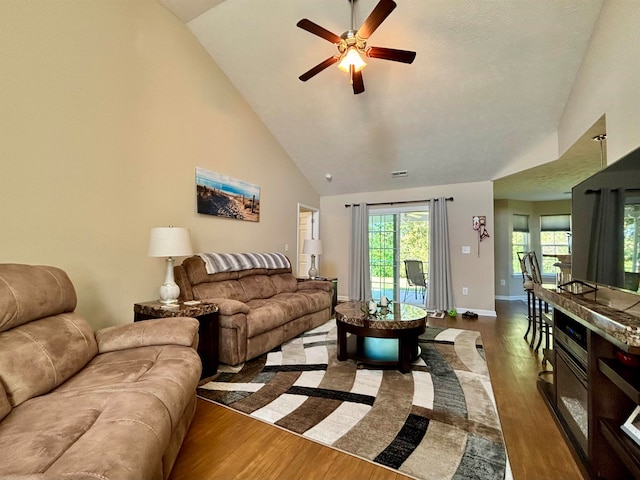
point(318, 68)
point(404, 56)
point(382, 10)
point(316, 29)
point(357, 81)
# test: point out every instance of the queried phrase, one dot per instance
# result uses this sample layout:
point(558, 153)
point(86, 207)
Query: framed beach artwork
point(224, 196)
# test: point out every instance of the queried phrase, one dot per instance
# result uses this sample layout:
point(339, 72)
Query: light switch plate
point(466, 249)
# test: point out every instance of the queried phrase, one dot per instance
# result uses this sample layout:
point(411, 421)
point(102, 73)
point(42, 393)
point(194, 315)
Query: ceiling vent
point(398, 174)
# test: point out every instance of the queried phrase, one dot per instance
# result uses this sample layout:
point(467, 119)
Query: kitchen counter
point(612, 314)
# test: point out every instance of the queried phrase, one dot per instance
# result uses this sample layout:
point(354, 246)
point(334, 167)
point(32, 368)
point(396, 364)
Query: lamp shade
point(352, 57)
point(170, 242)
point(312, 246)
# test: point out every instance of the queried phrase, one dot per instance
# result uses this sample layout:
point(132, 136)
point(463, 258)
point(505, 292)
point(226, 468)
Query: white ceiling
point(489, 83)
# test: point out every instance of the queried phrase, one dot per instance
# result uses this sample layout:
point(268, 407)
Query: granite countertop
point(618, 319)
point(176, 310)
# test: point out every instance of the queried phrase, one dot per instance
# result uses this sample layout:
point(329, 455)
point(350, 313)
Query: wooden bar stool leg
point(541, 325)
point(529, 314)
point(533, 319)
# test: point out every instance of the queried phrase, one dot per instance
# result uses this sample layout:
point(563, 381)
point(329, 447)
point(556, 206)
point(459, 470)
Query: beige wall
point(608, 82)
point(108, 106)
point(468, 270)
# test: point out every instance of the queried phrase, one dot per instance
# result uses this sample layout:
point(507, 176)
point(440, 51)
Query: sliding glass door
point(396, 235)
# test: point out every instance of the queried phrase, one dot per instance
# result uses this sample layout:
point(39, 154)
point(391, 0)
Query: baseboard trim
point(513, 298)
point(484, 313)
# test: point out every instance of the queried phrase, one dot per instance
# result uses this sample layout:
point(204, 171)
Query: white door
point(307, 228)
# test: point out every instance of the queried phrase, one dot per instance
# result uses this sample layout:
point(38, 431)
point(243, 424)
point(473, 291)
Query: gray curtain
point(440, 296)
point(606, 257)
point(359, 271)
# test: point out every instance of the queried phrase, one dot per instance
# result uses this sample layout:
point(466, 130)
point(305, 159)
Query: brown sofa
point(78, 404)
point(259, 308)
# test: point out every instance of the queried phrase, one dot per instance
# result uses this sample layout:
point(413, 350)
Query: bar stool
point(528, 284)
point(544, 321)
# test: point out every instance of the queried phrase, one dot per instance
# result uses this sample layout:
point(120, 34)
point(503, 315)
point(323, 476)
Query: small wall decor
point(224, 196)
point(480, 225)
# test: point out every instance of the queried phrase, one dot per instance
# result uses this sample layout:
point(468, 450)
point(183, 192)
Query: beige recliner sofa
point(78, 404)
point(259, 308)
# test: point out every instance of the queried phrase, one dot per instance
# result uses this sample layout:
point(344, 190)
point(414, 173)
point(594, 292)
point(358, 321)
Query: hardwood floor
point(222, 444)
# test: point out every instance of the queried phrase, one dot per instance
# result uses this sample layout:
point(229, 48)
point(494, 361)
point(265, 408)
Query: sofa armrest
point(315, 285)
point(161, 331)
point(226, 306)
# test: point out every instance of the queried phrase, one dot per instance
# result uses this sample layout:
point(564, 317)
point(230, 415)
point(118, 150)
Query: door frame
point(397, 211)
point(315, 232)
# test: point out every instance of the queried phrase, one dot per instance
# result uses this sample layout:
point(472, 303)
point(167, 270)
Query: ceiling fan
point(353, 42)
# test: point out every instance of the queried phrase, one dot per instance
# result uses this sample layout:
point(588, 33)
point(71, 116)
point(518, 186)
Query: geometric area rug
point(437, 422)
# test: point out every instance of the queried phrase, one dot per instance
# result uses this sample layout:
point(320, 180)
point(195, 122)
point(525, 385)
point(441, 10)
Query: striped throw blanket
point(233, 262)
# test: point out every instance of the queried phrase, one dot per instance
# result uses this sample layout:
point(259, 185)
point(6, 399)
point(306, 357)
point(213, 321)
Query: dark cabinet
point(592, 393)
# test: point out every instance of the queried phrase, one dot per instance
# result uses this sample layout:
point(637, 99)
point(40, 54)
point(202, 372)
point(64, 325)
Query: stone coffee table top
point(396, 316)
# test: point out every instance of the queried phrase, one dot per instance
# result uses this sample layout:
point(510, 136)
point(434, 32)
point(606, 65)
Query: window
point(396, 234)
point(519, 240)
point(555, 239)
point(383, 246)
point(632, 236)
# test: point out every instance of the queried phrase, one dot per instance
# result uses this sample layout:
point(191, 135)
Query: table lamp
point(169, 242)
point(312, 247)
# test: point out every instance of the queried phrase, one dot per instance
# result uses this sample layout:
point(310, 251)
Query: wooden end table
point(208, 332)
point(400, 321)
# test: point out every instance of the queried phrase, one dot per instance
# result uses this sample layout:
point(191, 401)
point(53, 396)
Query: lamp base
point(169, 291)
point(169, 294)
point(313, 271)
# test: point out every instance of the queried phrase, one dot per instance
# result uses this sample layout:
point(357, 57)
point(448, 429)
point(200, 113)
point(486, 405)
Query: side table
point(208, 332)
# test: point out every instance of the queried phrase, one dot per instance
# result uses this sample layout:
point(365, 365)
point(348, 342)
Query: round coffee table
point(399, 321)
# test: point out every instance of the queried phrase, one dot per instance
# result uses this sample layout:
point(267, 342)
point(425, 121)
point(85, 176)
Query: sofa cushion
point(223, 289)
point(5, 406)
point(53, 348)
point(294, 304)
point(264, 315)
point(69, 441)
point(161, 331)
point(258, 286)
point(318, 298)
point(284, 282)
point(29, 292)
point(170, 373)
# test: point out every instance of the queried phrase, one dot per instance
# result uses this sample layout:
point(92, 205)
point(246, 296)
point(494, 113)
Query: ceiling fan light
point(351, 58)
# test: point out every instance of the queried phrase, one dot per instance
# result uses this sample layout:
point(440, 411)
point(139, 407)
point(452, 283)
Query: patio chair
point(415, 277)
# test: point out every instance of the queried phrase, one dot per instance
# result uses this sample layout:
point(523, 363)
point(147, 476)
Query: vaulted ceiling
point(489, 83)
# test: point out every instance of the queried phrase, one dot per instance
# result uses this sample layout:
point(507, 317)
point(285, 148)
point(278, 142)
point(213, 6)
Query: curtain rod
point(448, 199)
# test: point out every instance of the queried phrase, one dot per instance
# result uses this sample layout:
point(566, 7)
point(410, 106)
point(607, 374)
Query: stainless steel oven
point(570, 343)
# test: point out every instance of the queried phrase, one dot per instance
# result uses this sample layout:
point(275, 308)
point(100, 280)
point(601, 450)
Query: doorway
point(395, 235)
point(308, 227)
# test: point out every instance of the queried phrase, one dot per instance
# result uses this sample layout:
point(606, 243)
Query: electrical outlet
point(466, 249)
point(286, 247)
point(465, 291)
point(503, 282)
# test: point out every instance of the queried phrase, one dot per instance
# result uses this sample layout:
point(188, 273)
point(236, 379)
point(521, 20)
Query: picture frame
point(224, 196)
point(632, 425)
